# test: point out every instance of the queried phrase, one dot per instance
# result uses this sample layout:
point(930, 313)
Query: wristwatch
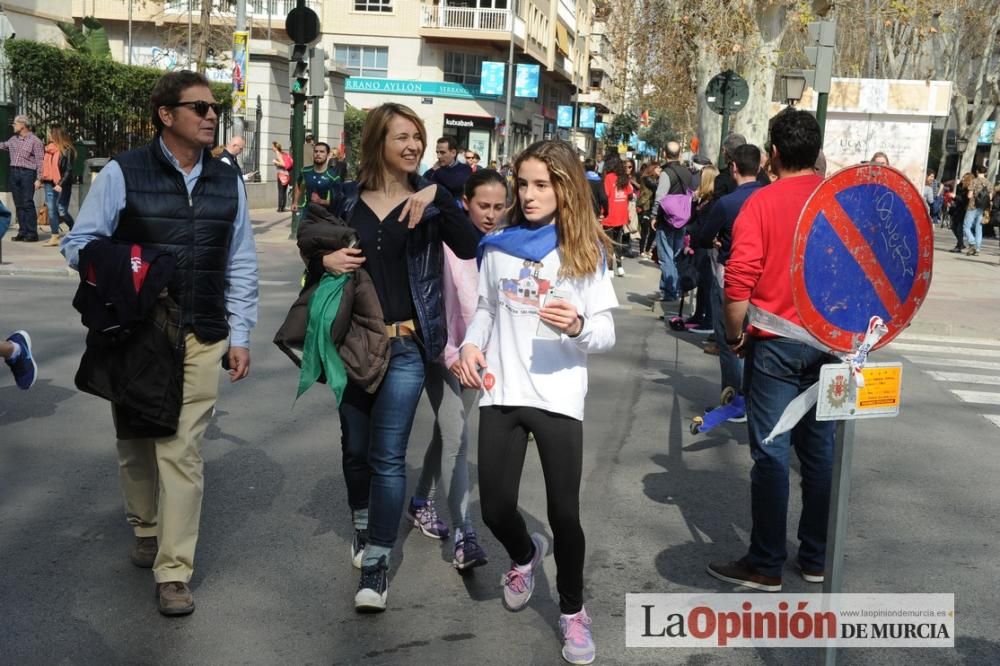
point(735, 341)
point(582, 322)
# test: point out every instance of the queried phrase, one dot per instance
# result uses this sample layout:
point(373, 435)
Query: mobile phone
point(544, 330)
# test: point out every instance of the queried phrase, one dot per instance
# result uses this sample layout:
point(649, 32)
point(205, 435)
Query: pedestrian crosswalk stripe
point(953, 362)
point(937, 349)
point(978, 397)
point(964, 377)
point(919, 337)
point(993, 418)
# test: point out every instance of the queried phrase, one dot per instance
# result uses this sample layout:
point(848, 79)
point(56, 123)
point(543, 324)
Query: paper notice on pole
point(840, 399)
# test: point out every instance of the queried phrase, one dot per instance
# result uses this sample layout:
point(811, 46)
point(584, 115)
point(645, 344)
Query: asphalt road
point(273, 582)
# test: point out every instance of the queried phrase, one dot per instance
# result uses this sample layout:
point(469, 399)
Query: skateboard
point(731, 404)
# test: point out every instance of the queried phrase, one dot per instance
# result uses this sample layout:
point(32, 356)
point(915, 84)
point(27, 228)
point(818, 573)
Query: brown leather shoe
point(143, 552)
point(812, 576)
point(740, 573)
point(175, 598)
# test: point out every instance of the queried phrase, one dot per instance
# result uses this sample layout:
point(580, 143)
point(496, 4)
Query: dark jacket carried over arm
point(358, 329)
point(135, 346)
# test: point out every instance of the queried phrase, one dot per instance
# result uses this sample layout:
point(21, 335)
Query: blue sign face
point(492, 78)
point(987, 130)
point(862, 248)
point(564, 116)
point(599, 130)
point(588, 115)
point(526, 81)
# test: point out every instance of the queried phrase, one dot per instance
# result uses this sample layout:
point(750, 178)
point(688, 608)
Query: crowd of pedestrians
point(461, 289)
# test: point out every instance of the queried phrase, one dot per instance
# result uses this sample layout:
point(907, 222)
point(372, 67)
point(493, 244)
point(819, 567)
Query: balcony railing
point(255, 8)
point(465, 18)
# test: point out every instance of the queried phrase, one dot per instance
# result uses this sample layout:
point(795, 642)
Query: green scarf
point(319, 354)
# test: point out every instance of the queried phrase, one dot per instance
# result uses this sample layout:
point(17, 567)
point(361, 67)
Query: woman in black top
point(401, 220)
point(957, 212)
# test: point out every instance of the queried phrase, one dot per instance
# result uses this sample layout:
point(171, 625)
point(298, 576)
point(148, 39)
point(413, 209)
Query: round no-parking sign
point(863, 247)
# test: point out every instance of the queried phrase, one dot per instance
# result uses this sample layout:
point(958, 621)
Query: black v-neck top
point(384, 245)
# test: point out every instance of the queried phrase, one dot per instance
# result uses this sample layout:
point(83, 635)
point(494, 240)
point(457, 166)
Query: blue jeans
point(52, 203)
point(375, 430)
point(669, 242)
point(4, 220)
point(779, 369)
point(64, 197)
point(730, 364)
point(973, 228)
point(22, 188)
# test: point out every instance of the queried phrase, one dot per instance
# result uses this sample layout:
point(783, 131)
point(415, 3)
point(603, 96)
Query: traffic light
point(317, 72)
point(298, 69)
point(822, 39)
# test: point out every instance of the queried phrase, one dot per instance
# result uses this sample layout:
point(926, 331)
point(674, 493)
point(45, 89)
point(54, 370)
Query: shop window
point(370, 61)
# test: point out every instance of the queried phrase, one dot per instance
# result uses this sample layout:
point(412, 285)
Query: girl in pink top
point(446, 457)
point(618, 187)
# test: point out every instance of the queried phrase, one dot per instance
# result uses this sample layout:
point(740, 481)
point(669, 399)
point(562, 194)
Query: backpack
point(983, 198)
point(676, 203)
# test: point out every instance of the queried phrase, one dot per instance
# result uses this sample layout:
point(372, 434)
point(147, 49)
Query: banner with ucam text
point(790, 620)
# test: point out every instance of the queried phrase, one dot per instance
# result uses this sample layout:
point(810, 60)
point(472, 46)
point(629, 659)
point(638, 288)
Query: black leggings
point(647, 236)
point(615, 234)
point(503, 442)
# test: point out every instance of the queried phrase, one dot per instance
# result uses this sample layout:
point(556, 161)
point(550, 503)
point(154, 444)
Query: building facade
point(429, 55)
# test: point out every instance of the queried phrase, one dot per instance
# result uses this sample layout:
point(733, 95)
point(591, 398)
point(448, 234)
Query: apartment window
point(373, 5)
point(370, 61)
point(464, 68)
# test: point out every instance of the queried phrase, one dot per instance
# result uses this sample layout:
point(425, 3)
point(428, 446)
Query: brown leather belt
point(401, 329)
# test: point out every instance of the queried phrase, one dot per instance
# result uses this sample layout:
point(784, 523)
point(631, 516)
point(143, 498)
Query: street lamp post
point(504, 155)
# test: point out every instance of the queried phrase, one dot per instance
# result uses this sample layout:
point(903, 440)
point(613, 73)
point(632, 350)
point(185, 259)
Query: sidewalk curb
point(15, 271)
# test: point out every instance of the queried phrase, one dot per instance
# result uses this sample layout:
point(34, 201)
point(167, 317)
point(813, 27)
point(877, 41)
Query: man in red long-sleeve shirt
point(778, 369)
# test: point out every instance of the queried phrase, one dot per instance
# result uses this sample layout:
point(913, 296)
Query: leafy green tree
point(620, 129)
point(659, 133)
point(354, 122)
point(90, 39)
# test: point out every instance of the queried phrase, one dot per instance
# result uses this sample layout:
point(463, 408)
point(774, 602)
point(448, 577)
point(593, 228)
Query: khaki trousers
point(162, 479)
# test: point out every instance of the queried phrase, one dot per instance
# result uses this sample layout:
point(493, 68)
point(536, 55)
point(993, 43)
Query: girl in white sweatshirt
point(545, 301)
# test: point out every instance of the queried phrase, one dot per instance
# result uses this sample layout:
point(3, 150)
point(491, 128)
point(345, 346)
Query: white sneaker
point(621, 271)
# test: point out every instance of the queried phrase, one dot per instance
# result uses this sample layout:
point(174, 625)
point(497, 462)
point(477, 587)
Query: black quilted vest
point(197, 230)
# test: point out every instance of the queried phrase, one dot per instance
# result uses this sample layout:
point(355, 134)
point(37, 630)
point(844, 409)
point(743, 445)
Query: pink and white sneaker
point(519, 582)
point(578, 644)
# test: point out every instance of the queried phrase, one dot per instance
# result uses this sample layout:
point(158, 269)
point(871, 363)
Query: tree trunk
point(709, 123)
point(991, 175)
point(752, 121)
point(204, 34)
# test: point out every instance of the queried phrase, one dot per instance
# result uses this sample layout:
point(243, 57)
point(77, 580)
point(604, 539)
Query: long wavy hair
point(582, 242)
point(371, 164)
point(707, 186)
point(61, 138)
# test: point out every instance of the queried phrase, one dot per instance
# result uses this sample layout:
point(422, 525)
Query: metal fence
point(108, 135)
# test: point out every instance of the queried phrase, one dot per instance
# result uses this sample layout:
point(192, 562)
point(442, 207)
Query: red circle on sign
point(824, 203)
point(489, 381)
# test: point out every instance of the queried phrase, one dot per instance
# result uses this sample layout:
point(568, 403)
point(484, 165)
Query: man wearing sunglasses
point(170, 195)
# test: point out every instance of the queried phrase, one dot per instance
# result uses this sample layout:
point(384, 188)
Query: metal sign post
point(726, 94)
point(862, 249)
point(302, 25)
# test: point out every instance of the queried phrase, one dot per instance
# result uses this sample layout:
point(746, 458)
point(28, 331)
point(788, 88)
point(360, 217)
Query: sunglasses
point(201, 107)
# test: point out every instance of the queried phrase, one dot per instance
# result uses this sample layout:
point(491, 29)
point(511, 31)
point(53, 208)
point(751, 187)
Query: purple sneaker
point(578, 644)
point(518, 585)
point(426, 519)
point(468, 553)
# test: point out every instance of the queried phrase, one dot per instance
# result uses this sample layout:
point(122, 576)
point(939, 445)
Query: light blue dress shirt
point(98, 218)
